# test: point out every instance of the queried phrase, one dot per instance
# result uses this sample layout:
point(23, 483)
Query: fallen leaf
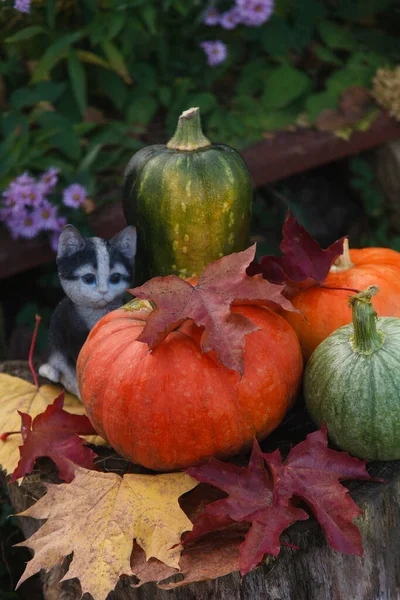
point(312, 472)
point(214, 555)
point(303, 264)
point(208, 304)
point(250, 499)
point(98, 515)
point(353, 102)
point(19, 395)
point(55, 433)
point(331, 119)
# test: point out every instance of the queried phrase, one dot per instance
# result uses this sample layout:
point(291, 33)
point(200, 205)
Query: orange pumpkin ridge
point(176, 406)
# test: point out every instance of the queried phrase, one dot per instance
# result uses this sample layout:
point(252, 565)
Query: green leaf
point(142, 110)
point(276, 36)
point(204, 100)
point(326, 55)
point(316, 103)
point(359, 9)
point(91, 58)
point(113, 87)
point(336, 36)
point(77, 76)
point(149, 16)
point(26, 34)
point(65, 140)
point(145, 77)
point(116, 60)
point(51, 12)
point(90, 158)
point(164, 94)
point(53, 54)
point(285, 84)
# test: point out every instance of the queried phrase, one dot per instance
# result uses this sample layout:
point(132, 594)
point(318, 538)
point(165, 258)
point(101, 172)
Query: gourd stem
point(188, 134)
point(366, 338)
point(343, 262)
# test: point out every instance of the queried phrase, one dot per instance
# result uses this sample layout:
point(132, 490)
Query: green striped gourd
point(190, 201)
point(352, 383)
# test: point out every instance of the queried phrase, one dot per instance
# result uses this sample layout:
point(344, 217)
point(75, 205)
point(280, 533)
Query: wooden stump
point(314, 572)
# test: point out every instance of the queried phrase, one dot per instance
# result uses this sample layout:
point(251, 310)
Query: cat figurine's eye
point(89, 279)
point(115, 278)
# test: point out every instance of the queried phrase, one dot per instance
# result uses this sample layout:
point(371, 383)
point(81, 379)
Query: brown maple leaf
point(208, 303)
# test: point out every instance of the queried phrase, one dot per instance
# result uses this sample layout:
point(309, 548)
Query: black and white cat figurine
point(94, 274)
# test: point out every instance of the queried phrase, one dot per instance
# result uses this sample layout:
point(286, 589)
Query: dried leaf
point(250, 496)
point(19, 395)
point(303, 264)
point(98, 515)
point(208, 304)
point(312, 472)
point(55, 433)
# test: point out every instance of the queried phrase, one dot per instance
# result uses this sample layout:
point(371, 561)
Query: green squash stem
point(189, 135)
point(366, 338)
point(343, 262)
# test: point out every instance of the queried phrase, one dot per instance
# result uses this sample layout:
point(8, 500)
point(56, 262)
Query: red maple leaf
point(311, 472)
point(250, 499)
point(303, 264)
point(54, 433)
point(208, 303)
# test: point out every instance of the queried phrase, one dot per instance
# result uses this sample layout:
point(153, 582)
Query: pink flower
point(26, 225)
point(212, 16)
point(74, 195)
point(215, 51)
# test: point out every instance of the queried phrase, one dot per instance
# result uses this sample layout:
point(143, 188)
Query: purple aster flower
point(26, 225)
point(215, 51)
point(231, 18)
point(23, 6)
point(49, 179)
point(48, 215)
point(212, 16)
point(24, 179)
point(74, 195)
point(255, 12)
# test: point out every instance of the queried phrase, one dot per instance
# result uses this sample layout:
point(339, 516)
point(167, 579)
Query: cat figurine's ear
point(125, 242)
point(70, 241)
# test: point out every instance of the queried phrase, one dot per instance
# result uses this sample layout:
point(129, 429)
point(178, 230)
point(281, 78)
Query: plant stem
point(343, 262)
point(189, 135)
point(366, 338)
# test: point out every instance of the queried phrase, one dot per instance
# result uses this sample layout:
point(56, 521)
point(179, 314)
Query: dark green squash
point(190, 201)
point(352, 383)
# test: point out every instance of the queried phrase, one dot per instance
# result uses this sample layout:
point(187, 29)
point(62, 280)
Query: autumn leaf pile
point(213, 519)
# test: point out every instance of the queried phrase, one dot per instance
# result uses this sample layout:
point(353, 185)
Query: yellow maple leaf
point(18, 394)
point(98, 515)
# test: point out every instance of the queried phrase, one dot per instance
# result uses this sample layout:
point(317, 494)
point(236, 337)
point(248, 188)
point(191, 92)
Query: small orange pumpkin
point(175, 406)
point(327, 310)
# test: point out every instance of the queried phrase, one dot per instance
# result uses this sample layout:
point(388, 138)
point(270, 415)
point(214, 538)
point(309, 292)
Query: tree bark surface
point(313, 572)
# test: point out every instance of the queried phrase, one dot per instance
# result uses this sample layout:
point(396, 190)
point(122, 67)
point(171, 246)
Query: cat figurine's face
point(94, 272)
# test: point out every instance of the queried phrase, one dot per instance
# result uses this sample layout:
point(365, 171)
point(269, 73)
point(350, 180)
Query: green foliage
point(88, 83)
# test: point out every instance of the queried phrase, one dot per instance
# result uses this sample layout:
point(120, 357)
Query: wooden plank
point(273, 159)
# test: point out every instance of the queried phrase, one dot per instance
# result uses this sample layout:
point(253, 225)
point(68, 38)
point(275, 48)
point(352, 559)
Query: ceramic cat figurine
point(94, 274)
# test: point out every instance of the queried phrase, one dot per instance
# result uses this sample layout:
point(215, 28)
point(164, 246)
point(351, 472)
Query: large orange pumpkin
point(327, 310)
point(175, 406)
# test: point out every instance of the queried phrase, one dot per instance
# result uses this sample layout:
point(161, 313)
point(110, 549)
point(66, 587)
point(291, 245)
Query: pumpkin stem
point(366, 338)
point(188, 134)
point(343, 262)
